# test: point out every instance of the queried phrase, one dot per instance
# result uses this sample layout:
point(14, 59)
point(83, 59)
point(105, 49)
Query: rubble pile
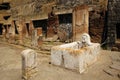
point(65, 31)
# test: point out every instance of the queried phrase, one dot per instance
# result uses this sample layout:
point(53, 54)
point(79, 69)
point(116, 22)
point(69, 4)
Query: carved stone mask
point(86, 39)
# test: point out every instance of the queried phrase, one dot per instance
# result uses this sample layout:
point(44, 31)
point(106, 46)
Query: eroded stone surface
point(80, 21)
point(75, 55)
point(29, 64)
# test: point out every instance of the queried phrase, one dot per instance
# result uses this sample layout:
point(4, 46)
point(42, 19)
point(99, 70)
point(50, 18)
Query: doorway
point(65, 18)
point(0, 29)
point(41, 24)
point(118, 30)
point(65, 29)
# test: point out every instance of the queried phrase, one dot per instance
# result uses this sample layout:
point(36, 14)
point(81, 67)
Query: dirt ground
point(10, 66)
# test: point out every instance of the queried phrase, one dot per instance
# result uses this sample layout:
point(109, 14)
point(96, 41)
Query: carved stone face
point(86, 39)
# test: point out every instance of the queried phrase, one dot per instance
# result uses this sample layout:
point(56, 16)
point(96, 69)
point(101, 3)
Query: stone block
point(29, 64)
point(74, 58)
point(75, 55)
point(57, 52)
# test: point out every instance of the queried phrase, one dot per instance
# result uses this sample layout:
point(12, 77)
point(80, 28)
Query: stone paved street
point(10, 66)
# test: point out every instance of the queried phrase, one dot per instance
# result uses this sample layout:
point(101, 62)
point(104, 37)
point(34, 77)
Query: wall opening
point(5, 6)
point(65, 32)
point(41, 23)
point(65, 18)
point(118, 30)
point(6, 17)
point(0, 29)
point(27, 26)
point(16, 31)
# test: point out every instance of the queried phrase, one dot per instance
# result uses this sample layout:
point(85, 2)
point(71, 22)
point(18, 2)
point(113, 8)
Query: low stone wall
point(74, 56)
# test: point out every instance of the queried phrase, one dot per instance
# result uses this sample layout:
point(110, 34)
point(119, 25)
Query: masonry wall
point(112, 19)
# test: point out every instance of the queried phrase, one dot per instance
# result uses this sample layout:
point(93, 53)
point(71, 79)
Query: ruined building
point(42, 20)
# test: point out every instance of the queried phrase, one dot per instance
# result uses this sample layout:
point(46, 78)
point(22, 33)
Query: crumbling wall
point(33, 7)
point(22, 30)
point(96, 24)
point(52, 24)
point(112, 18)
point(73, 2)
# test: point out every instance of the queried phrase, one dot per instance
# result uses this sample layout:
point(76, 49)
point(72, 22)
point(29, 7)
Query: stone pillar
point(22, 30)
point(4, 33)
point(34, 39)
point(7, 31)
point(80, 21)
point(40, 35)
point(29, 64)
point(31, 28)
point(52, 24)
point(34, 35)
point(12, 33)
point(73, 24)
